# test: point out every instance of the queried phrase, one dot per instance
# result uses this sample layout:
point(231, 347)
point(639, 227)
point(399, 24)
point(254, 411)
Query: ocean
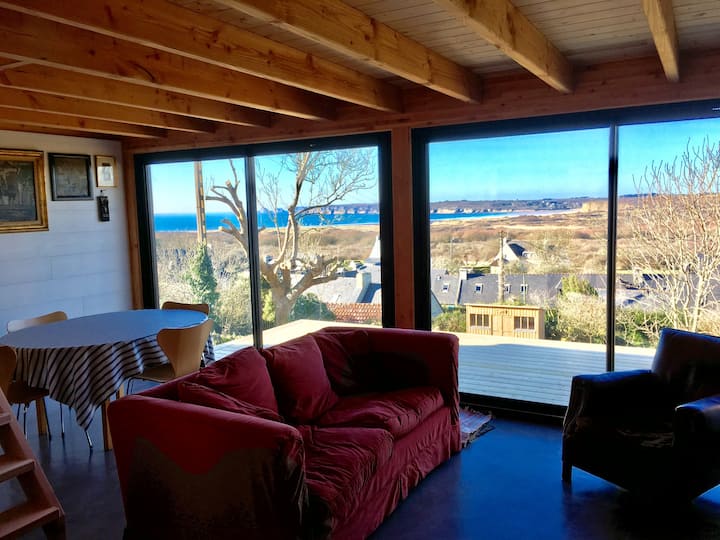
point(187, 222)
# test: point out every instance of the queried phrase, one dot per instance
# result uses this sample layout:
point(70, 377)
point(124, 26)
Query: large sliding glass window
point(319, 240)
point(668, 248)
point(558, 252)
point(518, 242)
point(201, 237)
point(278, 239)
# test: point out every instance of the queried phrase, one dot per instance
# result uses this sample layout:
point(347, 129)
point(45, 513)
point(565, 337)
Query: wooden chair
point(183, 348)
point(17, 392)
point(203, 308)
point(19, 324)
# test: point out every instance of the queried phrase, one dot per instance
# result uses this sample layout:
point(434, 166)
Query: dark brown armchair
point(653, 432)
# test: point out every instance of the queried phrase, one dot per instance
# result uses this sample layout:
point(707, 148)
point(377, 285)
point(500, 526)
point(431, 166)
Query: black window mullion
point(612, 246)
point(253, 253)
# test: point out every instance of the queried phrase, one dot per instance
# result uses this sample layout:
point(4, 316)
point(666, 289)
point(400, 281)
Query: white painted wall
point(80, 265)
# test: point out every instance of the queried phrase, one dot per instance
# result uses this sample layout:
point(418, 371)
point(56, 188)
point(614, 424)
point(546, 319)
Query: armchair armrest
point(620, 393)
point(192, 471)
point(697, 421)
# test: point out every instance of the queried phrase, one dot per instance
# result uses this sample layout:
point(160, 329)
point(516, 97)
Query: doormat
point(473, 424)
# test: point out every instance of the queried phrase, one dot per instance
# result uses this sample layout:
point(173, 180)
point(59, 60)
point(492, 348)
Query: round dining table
point(83, 361)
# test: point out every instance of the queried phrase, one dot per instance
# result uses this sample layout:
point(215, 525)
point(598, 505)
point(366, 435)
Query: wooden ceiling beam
point(352, 32)
point(62, 121)
point(46, 42)
point(174, 29)
point(499, 22)
point(661, 19)
point(13, 126)
point(68, 83)
point(36, 101)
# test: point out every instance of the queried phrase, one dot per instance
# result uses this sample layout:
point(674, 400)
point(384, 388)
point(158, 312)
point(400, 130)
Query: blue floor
point(505, 485)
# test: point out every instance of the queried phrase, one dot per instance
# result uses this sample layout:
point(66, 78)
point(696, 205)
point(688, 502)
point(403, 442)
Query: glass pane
point(319, 247)
point(668, 234)
point(211, 265)
point(518, 241)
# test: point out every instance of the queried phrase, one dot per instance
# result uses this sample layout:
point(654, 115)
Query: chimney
point(362, 282)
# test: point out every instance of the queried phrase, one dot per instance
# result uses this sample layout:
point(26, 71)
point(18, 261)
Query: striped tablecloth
point(84, 361)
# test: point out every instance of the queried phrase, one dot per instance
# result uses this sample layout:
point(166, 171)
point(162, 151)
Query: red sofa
point(318, 437)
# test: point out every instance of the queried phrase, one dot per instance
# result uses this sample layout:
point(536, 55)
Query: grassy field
point(572, 241)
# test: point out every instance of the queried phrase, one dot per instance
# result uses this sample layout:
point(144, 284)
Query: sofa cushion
point(242, 375)
point(338, 351)
point(398, 411)
point(299, 376)
point(339, 463)
point(198, 394)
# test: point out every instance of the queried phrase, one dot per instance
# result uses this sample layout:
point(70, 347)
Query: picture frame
point(23, 206)
point(70, 178)
point(105, 173)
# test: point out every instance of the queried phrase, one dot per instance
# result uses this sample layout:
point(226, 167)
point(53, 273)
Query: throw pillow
point(189, 392)
point(299, 376)
point(338, 349)
point(242, 375)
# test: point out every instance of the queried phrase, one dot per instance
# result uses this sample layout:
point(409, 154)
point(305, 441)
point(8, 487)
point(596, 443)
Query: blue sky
point(564, 164)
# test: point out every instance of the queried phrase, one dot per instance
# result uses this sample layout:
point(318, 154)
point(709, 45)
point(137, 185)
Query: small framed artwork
point(105, 175)
point(23, 207)
point(70, 177)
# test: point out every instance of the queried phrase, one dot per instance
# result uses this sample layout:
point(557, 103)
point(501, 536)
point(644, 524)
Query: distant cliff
point(471, 207)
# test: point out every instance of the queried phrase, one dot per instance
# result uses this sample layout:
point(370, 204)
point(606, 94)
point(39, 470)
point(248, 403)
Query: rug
point(473, 424)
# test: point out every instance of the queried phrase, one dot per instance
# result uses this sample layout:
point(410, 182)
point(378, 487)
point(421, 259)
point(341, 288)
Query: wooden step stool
point(41, 508)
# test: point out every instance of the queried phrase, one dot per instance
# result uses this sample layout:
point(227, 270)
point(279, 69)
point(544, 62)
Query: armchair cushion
point(189, 392)
point(698, 421)
point(242, 375)
point(297, 371)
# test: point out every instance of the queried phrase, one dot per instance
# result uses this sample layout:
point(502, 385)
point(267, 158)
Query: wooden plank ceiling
point(126, 68)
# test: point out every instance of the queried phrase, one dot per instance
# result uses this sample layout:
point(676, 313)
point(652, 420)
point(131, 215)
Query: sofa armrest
point(615, 394)
point(192, 471)
point(437, 352)
point(698, 421)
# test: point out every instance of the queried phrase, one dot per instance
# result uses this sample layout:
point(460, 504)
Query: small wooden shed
point(504, 320)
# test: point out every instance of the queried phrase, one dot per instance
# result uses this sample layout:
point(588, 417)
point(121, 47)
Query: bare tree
point(675, 226)
point(320, 180)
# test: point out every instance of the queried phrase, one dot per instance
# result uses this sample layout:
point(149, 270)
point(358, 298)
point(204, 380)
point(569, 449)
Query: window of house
point(478, 288)
point(524, 323)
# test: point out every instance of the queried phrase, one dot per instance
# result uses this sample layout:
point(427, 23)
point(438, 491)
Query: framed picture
point(23, 206)
point(105, 171)
point(70, 177)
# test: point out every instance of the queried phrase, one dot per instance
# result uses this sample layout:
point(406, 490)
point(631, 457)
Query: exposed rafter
point(166, 26)
point(36, 101)
point(50, 43)
point(505, 26)
point(661, 20)
point(68, 83)
point(351, 32)
point(62, 121)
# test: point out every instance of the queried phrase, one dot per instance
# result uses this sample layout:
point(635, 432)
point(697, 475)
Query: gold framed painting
point(105, 175)
point(23, 206)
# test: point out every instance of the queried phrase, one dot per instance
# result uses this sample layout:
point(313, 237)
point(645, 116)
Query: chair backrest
point(7, 367)
point(203, 308)
point(689, 363)
point(19, 324)
point(184, 346)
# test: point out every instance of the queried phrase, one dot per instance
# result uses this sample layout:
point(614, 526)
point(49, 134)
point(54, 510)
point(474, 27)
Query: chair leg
point(62, 423)
point(567, 472)
point(43, 422)
point(25, 419)
point(89, 440)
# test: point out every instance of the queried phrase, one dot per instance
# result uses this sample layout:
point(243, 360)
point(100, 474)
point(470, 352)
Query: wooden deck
point(525, 369)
